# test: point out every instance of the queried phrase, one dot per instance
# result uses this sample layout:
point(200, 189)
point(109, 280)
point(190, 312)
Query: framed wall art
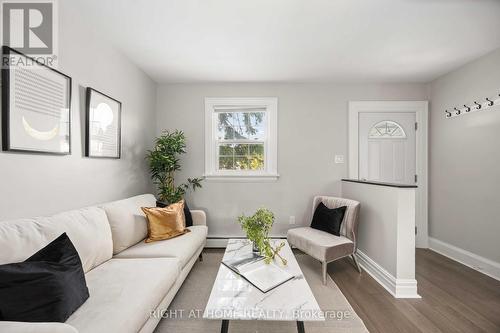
point(103, 125)
point(36, 103)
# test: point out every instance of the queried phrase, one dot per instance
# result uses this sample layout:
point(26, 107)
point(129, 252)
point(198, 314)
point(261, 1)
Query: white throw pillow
point(128, 222)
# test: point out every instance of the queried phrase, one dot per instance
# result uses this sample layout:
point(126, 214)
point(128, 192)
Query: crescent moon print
point(37, 107)
point(39, 135)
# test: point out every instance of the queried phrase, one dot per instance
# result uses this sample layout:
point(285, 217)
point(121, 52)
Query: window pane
point(226, 149)
point(240, 163)
point(225, 129)
point(241, 149)
point(241, 125)
point(249, 125)
point(256, 157)
point(387, 129)
point(258, 125)
point(256, 149)
point(256, 162)
point(241, 156)
point(226, 163)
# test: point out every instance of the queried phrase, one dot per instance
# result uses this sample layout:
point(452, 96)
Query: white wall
point(465, 160)
point(386, 235)
point(33, 184)
point(312, 128)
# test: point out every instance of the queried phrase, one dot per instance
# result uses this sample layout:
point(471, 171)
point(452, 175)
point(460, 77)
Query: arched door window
point(387, 130)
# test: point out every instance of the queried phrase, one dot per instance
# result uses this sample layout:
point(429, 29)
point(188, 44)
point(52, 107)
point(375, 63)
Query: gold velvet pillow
point(165, 223)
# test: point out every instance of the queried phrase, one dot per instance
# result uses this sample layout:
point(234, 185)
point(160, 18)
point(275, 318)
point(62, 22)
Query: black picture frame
point(6, 103)
point(88, 136)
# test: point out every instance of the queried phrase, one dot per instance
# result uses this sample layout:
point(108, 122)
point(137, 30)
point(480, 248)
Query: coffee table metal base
point(300, 327)
point(225, 326)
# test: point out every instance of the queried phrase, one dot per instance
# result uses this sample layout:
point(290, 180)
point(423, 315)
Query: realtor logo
point(30, 28)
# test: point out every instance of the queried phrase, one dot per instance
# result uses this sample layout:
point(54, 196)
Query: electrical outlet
point(339, 159)
point(291, 220)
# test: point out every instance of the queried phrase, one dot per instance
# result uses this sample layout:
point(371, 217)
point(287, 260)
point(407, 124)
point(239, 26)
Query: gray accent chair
point(324, 246)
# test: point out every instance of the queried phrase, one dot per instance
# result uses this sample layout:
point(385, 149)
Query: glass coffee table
point(234, 298)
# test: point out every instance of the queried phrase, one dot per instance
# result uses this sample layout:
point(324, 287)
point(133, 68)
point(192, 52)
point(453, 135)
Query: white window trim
point(270, 173)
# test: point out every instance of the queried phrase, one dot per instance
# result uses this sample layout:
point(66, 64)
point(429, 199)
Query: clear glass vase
point(255, 248)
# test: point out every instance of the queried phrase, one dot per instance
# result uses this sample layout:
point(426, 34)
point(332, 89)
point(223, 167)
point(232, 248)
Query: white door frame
point(422, 117)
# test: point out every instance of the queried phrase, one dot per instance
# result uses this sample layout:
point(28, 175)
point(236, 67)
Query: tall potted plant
point(164, 161)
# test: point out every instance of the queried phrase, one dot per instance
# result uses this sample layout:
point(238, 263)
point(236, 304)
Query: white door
point(387, 147)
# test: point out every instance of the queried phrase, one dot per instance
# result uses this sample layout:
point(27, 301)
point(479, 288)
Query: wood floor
point(455, 298)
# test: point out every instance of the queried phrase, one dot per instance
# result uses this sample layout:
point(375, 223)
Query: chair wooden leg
point(324, 266)
point(353, 256)
point(201, 256)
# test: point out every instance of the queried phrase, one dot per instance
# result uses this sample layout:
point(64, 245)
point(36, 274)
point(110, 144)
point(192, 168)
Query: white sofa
point(127, 278)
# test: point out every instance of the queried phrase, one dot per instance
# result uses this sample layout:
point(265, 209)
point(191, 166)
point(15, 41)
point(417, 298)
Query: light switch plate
point(339, 159)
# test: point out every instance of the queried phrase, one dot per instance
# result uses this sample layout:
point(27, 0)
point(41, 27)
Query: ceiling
point(297, 40)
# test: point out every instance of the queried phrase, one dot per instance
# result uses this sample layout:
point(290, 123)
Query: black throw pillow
point(48, 287)
point(329, 220)
point(187, 215)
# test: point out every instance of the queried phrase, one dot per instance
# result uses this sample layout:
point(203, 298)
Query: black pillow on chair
point(48, 286)
point(329, 220)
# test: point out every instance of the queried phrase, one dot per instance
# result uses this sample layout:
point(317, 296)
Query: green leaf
point(164, 161)
point(257, 228)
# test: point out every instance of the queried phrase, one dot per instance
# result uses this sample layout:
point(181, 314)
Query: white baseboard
point(480, 264)
point(399, 288)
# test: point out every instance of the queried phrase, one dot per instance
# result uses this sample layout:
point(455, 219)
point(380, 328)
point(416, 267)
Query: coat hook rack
point(473, 107)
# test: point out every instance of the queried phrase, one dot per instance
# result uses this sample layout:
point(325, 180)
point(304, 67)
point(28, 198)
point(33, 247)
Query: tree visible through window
point(241, 140)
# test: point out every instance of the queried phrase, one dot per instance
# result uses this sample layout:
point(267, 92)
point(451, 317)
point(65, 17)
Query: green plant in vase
point(164, 161)
point(257, 228)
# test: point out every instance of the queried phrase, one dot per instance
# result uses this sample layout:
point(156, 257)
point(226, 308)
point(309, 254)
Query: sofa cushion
point(128, 222)
point(88, 229)
point(165, 222)
point(48, 286)
point(182, 247)
point(23, 327)
point(123, 293)
point(319, 244)
point(187, 215)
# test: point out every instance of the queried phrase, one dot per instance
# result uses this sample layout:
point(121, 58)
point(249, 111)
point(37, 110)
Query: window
point(241, 138)
point(387, 129)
